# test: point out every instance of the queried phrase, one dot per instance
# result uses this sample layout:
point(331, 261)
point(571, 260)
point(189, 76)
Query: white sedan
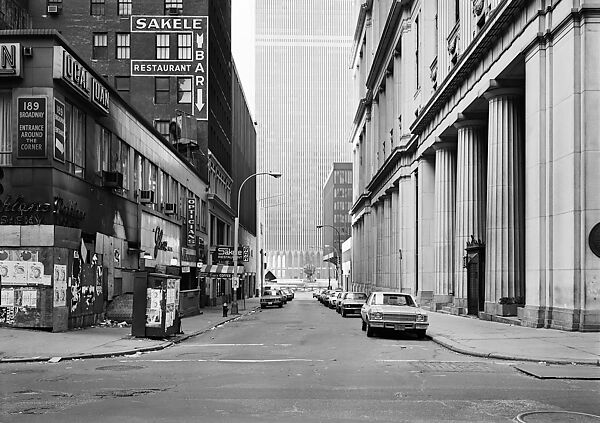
point(393, 310)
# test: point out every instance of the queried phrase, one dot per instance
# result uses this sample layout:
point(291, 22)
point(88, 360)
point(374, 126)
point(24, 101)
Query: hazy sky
point(242, 45)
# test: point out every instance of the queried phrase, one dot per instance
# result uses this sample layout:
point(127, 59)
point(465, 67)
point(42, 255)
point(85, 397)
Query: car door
point(364, 310)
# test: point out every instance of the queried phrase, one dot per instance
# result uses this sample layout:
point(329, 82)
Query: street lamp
point(339, 259)
point(234, 279)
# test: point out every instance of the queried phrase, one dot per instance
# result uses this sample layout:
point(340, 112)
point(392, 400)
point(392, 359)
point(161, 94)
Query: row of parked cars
point(275, 296)
point(380, 310)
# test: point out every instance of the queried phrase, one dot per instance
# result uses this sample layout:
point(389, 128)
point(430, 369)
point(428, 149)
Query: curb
point(158, 347)
point(454, 346)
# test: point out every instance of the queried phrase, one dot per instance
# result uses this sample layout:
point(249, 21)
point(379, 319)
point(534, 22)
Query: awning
point(220, 270)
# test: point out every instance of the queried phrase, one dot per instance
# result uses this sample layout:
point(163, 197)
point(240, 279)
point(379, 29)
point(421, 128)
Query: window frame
point(181, 93)
point(124, 7)
point(97, 7)
point(99, 52)
point(122, 51)
point(162, 89)
point(162, 49)
point(184, 46)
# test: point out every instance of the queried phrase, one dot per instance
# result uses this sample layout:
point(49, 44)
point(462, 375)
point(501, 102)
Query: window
point(103, 137)
point(97, 7)
point(5, 128)
point(162, 126)
point(184, 90)
point(123, 45)
point(456, 10)
point(161, 92)
point(124, 160)
point(184, 46)
point(137, 172)
point(162, 46)
point(100, 45)
point(124, 7)
point(173, 6)
point(123, 83)
point(74, 139)
point(203, 215)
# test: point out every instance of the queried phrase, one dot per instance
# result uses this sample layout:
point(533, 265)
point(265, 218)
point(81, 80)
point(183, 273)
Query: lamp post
point(339, 259)
point(236, 225)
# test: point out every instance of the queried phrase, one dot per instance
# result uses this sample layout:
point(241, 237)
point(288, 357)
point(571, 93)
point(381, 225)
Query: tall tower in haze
point(303, 109)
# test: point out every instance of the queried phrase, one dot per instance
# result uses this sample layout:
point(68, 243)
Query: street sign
point(194, 65)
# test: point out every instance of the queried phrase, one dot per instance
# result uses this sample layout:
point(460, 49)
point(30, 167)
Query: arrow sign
point(199, 40)
point(199, 100)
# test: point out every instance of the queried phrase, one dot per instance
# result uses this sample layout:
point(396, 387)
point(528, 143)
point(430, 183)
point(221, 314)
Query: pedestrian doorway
point(474, 261)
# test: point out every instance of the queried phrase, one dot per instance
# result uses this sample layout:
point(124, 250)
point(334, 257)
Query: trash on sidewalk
point(113, 324)
point(54, 359)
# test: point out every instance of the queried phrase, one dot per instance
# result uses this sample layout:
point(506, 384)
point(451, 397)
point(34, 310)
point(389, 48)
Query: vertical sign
point(192, 52)
point(191, 222)
point(59, 130)
point(31, 127)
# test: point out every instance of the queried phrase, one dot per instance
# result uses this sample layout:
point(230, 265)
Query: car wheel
point(280, 305)
point(364, 326)
point(421, 333)
point(262, 306)
point(343, 313)
point(370, 331)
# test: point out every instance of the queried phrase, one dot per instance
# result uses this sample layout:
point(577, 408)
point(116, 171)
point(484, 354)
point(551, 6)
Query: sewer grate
point(445, 366)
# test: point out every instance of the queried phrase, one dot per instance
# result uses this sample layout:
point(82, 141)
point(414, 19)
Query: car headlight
point(421, 317)
point(376, 315)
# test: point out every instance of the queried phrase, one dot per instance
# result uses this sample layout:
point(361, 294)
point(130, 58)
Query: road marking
point(174, 360)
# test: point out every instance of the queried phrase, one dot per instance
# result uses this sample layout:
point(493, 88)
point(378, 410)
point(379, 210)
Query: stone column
point(444, 209)
point(470, 197)
point(504, 252)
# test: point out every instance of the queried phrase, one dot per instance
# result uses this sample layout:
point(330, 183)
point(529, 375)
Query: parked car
point(351, 303)
point(337, 299)
point(393, 310)
point(323, 295)
point(271, 297)
point(289, 295)
point(329, 302)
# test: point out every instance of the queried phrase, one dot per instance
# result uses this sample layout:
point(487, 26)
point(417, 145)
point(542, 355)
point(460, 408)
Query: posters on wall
point(60, 285)
point(153, 309)
point(22, 267)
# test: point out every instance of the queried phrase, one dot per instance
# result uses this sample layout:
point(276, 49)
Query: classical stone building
point(477, 126)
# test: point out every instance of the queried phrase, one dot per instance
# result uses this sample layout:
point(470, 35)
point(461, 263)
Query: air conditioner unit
point(112, 180)
point(146, 196)
point(53, 8)
point(170, 208)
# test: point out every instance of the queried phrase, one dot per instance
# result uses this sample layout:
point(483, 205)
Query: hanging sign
point(191, 222)
point(59, 130)
point(31, 127)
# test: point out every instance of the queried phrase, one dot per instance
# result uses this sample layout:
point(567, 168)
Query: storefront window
point(5, 132)
point(74, 139)
point(125, 165)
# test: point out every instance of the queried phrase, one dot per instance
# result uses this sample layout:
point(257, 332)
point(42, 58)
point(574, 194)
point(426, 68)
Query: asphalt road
point(302, 363)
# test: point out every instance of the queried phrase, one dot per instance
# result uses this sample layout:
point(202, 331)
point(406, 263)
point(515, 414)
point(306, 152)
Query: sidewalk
point(22, 345)
point(500, 340)
point(461, 334)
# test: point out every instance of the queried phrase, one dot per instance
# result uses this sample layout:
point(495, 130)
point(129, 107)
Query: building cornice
point(360, 202)
point(365, 7)
point(493, 29)
point(216, 201)
point(387, 37)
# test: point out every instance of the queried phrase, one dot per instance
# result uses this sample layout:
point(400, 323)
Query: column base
point(442, 301)
point(561, 319)
point(425, 299)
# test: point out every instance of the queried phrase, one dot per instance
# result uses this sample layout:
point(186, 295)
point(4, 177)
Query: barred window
point(123, 45)
point(162, 126)
point(124, 7)
point(184, 46)
point(172, 6)
point(162, 46)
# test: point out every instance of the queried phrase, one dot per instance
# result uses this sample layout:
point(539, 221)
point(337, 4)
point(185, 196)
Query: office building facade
point(303, 106)
point(475, 183)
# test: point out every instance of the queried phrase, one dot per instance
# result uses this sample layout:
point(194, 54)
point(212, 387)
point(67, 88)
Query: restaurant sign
point(225, 254)
point(74, 73)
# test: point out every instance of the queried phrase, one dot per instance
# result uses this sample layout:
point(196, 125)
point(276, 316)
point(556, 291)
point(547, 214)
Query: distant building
point(473, 142)
point(303, 106)
point(337, 201)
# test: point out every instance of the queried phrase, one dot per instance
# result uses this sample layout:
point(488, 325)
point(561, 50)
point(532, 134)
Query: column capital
point(463, 121)
point(443, 144)
point(496, 92)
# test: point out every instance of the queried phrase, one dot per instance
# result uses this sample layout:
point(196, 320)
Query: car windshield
point(270, 292)
point(394, 299)
point(356, 296)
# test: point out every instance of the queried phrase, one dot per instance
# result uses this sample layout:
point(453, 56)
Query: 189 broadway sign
point(31, 127)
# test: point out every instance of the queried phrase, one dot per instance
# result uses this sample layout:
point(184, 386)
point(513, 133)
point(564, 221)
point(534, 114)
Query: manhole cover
point(119, 367)
point(453, 367)
point(556, 416)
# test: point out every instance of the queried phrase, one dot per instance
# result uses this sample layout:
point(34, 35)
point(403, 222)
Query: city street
point(301, 363)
